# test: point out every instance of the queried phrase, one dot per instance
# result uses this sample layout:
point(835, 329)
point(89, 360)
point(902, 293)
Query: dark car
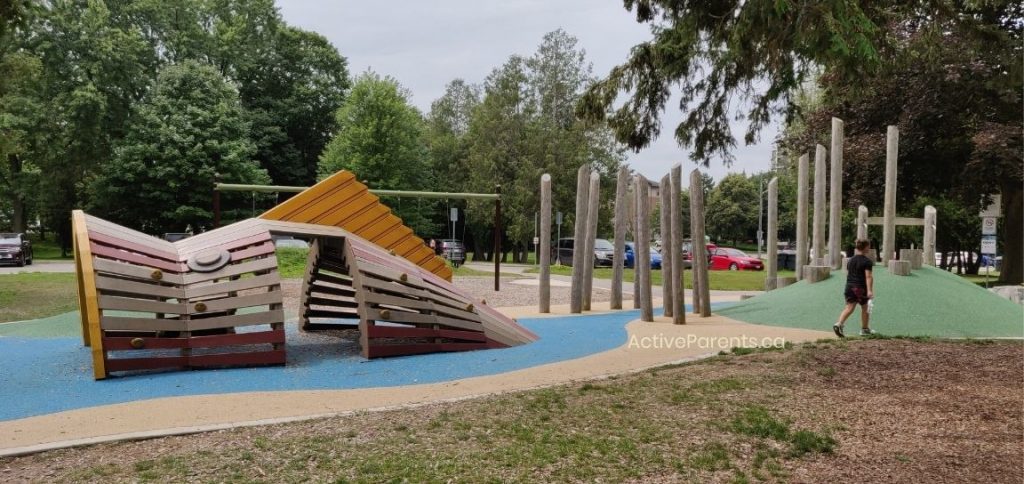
point(631, 257)
point(603, 252)
point(16, 249)
point(454, 251)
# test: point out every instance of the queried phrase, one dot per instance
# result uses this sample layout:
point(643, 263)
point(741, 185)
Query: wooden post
point(801, 215)
point(666, 244)
point(818, 225)
point(621, 216)
point(678, 274)
point(700, 249)
point(773, 234)
point(643, 246)
point(579, 233)
point(835, 220)
point(892, 145)
point(545, 243)
point(930, 217)
point(695, 275)
point(594, 198)
point(497, 239)
point(635, 224)
point(862, 222)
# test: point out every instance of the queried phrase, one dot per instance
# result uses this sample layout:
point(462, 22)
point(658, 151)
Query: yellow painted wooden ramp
point(342, 201)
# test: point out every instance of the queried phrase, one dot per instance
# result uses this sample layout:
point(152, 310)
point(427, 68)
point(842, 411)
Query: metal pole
point(216, 200)
point(497, 239)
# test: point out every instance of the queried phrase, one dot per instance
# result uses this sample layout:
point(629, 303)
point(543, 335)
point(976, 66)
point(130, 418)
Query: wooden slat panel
point(271, 279)
point(156, 363)
point(138, 272)
point(232, 270)
point(417, 318)
point(113, 253)
point(143, 248)
point(151, 343)
point(110, 284)
point(123, 323)
point(236, 302)
point(234, 320)
point(253, 251)
point(274, 357)
point(398, 332)
point(143, 305)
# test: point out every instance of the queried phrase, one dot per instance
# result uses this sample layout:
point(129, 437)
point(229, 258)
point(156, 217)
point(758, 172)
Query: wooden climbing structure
point(215, 299)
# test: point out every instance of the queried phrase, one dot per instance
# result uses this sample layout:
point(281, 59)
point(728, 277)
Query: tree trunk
point(17, 202)
point(1012, 270)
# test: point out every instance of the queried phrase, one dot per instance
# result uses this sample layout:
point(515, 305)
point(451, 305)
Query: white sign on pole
point(988, 245)
point(454, 215)
point(988, 226)
point(558, 218)
point(993, 210)
point(536, 240)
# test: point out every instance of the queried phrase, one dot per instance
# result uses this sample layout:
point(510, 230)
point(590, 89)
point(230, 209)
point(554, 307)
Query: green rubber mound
point(929, 302)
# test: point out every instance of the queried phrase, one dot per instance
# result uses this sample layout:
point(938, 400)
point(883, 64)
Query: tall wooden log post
point(801, 215)
point(892, 146)
point(643, 247)
point(676, 221)
point(579, 233)
point(634, 210)
point(818, 225)
point(700, 250)
point(862, 222)
point(773, 234)
point(666, 244)
point(621, 221)
point(695, 301)
point(545, 243)
point(835, 217)
point(594, 194)
point(930, 218)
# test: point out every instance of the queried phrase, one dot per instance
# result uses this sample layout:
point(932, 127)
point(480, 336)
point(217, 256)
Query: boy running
point(859, 289)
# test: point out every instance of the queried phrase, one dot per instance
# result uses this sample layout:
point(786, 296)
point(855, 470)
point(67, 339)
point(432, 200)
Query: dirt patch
point(863, 411)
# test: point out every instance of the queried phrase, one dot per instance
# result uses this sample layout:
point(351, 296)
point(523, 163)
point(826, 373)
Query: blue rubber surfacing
point(46, 375)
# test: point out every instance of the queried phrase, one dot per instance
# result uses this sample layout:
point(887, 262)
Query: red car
point(725, 258)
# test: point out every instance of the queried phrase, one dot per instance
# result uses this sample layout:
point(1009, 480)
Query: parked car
point(688, 249)
point(15, 248)
point(603, 252)
point(726, 258)
point(454, 251)
point(631, 257)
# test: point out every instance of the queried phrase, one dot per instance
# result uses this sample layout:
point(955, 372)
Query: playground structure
point(215, 299)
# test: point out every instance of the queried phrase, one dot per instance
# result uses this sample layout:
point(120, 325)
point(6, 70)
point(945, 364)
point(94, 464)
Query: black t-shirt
point(855, 271)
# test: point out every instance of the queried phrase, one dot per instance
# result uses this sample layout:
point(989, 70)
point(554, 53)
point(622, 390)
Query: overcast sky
point(426, 44)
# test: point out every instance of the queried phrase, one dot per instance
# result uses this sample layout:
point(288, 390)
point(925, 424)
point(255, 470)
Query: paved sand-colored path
point(649, 345)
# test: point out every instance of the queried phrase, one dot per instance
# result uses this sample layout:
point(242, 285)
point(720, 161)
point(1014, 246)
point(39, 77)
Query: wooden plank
point(145, 248)
point(411, 332)
point(898, 221)
point(404, 291)
point(418, 318)
point(154, 363)
point(99, 225)
point(253, 251)
point(150, 343)
point(311, 260)
point(237, 302)
point(114, 253)
point(314, 326)
point(235, 320)
point(143, 305)
point(331, 303)
point(126, 323)
point(265, 280)
point(79, 287)
point(91, 307)
point(138, 272)
point(229, 270)
point(374, 298)
point(273, 357)
point(323, 313)
point(111, 284)
point(336, 291)
point(341, 281)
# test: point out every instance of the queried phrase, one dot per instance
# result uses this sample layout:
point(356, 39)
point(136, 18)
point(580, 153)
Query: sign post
point(989, 221)
point(558, 238)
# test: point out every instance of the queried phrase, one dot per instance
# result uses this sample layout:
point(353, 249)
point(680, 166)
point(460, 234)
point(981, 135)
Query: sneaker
point(838, 330)
point(867, 332)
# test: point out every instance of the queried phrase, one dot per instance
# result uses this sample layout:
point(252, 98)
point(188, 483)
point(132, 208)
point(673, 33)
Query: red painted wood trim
point(221, 359)
point(401, 332)
point(256, 250)
point(135, 246)
point(377, 351)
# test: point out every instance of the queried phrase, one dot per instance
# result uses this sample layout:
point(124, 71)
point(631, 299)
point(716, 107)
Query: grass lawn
point(718, 280)
point(36, 294)
point(46, 249)
point(832, 411)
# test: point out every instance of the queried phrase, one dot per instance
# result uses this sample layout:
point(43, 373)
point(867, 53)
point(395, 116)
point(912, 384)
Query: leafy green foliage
point(379, 139)
point(734, 203)
point(190, 128)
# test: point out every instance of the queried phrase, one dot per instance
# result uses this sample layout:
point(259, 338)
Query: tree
point(189, 128)
point(955, 96)
point(380, 139)
point(732, 209)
